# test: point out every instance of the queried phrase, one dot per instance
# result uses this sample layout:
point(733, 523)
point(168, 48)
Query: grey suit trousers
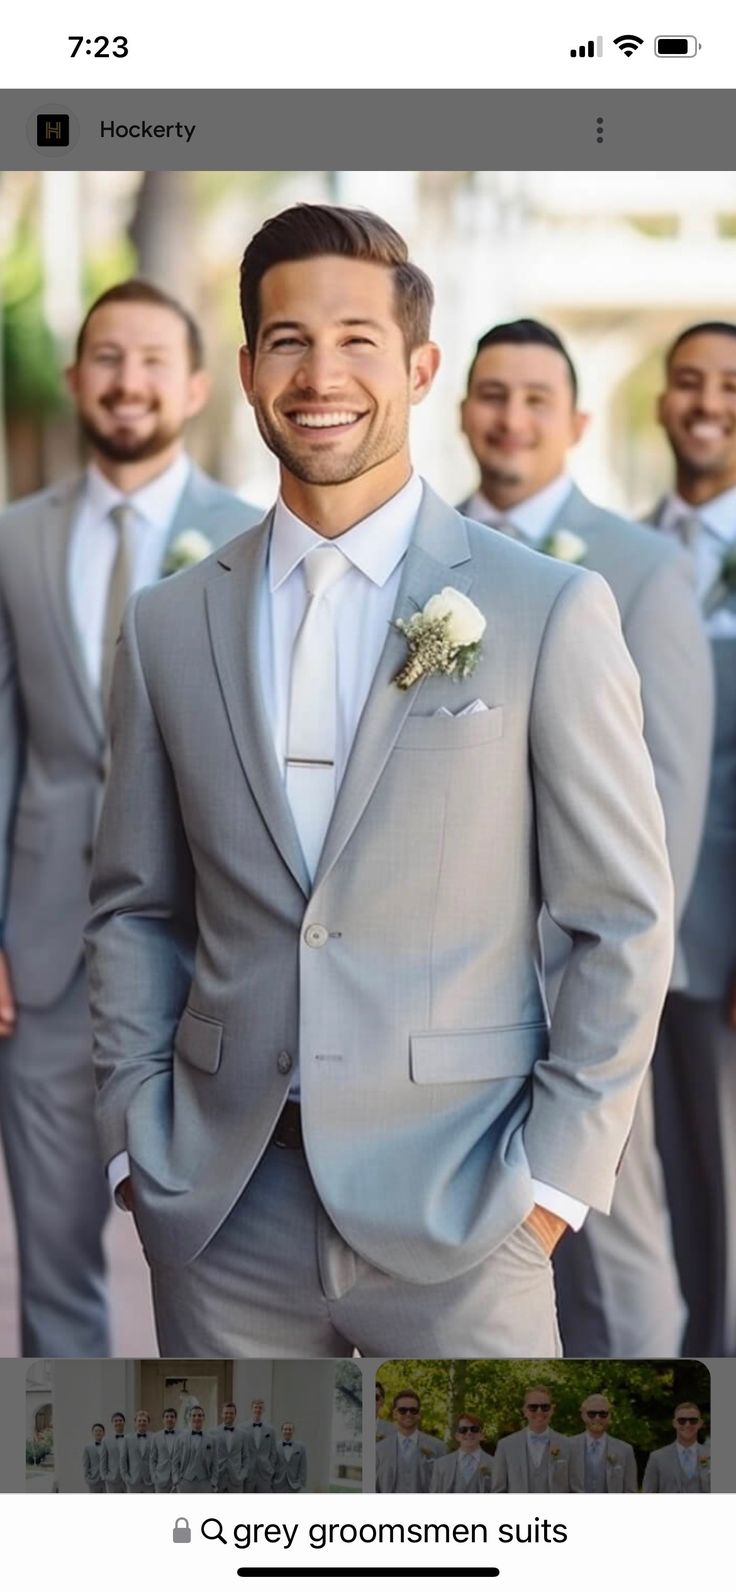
point(278, 1280)
point(46, 1111)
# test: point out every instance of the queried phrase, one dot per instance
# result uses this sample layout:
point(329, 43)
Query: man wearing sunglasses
point(682, 1466)
point(600, 1463)
point(469, 1468)
point(404, 1460)
point(534, 1460)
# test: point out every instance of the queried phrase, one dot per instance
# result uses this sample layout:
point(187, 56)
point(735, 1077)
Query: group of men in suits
point(316, 886)
point(229, 1458)
point(536, 1459)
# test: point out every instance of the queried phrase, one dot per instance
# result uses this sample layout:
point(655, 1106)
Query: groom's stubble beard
point(322, 469)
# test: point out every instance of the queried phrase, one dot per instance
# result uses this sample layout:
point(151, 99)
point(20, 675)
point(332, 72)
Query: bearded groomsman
point(618, 1290)
point(315, 801)
point(535, 1460)
point(262, 1455)
point(69, 558)
point(135, 1459)
point(682, 1466)
point(695, 1064)
point(600, 1463)
point(234, 1452)
point(404, 1460)
point(91, 1460)
point(193, 1467)
point(469, 1468)
point(162, 1452)
point(291, 1464)
point(111, 1456)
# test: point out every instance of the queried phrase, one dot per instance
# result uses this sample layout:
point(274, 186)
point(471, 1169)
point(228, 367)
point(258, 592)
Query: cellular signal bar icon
point(593, 47)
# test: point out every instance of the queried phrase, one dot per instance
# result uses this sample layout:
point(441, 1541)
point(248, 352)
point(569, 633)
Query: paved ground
point(133, 1333)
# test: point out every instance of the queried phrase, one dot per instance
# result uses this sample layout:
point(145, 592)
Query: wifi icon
point(628, 43)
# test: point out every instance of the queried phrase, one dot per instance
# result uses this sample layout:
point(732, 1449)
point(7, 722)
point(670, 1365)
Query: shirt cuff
point(571, 1210)
point(117, 1171)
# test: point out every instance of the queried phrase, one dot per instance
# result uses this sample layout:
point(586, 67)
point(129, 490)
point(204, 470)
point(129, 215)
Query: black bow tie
point(98, 1442)
point(118, 1436)
point(258, 1423)
point(169, 1431)
point(196, 1434)
point(286, 1445)
point(141, 1434)
point(229, 1428)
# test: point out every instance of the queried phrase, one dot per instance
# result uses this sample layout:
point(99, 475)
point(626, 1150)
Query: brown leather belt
point(287, 1134)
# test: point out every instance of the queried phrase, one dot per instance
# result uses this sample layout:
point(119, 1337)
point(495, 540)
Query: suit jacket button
point(284, 1062)
point(88, 853)
point(316, 936)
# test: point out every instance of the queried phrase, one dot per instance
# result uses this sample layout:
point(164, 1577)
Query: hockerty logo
point(183, 130)
point(52, 130)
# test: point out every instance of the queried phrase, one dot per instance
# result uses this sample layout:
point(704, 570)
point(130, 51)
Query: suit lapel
point(55, 538)
point(197, 501)
point(434, 559)
point(233, 599)
point(574, 514)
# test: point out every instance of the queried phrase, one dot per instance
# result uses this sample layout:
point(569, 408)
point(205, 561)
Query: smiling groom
point(327, 1089)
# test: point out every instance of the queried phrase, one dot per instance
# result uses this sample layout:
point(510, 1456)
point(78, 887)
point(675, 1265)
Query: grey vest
point(538, 1474)
point(408, 1471)
point(595, 1472)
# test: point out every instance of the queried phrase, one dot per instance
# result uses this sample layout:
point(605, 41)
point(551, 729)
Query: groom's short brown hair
point(303, 232)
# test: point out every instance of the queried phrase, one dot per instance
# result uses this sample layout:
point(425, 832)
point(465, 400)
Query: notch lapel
point(55, 539)
point(233, 598)
point(439, 546)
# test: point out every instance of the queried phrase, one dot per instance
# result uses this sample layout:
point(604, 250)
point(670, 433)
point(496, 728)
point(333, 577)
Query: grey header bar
point(375, 129)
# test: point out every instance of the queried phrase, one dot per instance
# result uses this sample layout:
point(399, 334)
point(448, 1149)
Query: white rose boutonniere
point(554, 1451)
point(443, 639)
point(723, 585)
point(188, 548)
point(565, 545)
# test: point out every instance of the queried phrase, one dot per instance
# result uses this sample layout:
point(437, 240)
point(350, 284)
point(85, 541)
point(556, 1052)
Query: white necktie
point(312, 734)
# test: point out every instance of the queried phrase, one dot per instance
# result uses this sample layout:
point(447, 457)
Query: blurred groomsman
point(384, 1428)
point(261, 1438)
point(682, 1466)
point(193, 1467)
point(91, 1460)
point(234, 1453)
point(535, 1460)
point(162, 1453)
point(111, 1455)
point(469, 1468)
point(291, 1465)
point(600, 1463)
point(695, 1061)
point(135, 1459)
point(618, 1291)
point(404, 1459)
point(69, 558)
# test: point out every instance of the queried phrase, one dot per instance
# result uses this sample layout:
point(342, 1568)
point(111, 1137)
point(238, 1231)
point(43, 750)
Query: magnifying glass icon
point(213, 1536)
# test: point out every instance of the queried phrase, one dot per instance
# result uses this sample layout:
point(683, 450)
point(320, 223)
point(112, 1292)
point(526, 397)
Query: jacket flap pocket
point(199, 1041)
point(471, 1055)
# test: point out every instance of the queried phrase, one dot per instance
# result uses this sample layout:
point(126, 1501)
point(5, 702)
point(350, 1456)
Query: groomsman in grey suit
point(682, 1466)
point(111, 1456)
point(194, 1465)
point(291, 1463)
point(617, 1283)
point(537, 1459)
point(261, 1443)
point(234, 1453)
point(695, 1062)
point(91, 1460)
point(325, 816)
point(600, 1463)
point(469, 1468)
point(404, 1460)
point(162, 1452)
point(69, 557)
point(135, 1459)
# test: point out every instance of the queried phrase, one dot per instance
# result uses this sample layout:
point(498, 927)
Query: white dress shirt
point(94, 541)
point(537, 1444)
point(718, 534)
point(361, 605)
point(533, 517)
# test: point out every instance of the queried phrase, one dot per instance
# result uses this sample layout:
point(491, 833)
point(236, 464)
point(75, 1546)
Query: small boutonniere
point(427, 1452)
point(443, 639)
point(565, 545)
point(704, 1461)
point(485, 1470)
point(612, 1460)
point(188, 548)
point(723, 585)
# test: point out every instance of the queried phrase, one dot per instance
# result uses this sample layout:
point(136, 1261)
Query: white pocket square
point(473, 707)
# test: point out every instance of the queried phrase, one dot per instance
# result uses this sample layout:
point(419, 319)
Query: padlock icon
point(182, 1532)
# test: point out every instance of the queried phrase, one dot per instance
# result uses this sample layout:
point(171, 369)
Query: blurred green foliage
point(31, 363)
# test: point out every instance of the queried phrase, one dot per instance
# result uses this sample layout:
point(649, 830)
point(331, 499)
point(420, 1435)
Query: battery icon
point(676, 44)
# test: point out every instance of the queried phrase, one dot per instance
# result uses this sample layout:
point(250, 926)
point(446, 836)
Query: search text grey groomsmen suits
point(110, 1462)
point(52, 765)
point(135, 1462)
point(446, 1475)
point(234, 1457)
point(91, 1467)
point(515, 1472)
point(194, 1464)
point(695, 1063)
point(291, 1467)
point(617, 1285)
point(407, 971)
point(614, 1472)
point(162, 1453)
point(665, 1471)
point(400, 1469)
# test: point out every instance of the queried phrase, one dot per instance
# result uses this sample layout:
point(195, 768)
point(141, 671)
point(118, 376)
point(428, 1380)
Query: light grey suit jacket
point(664, 1473)
point(194, 1459)
point(111, 1454)
point(444, 1475)
point(162, 1453)
point(511, 1464)
point(91, 1459)
point(262, 1460)
point(52, 735)
point(408, 973)
point(652, 582)
point(620, 1466)
point(387, 1461)
point(135, 1461)
point(233, 1464)
point(291, 1468)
